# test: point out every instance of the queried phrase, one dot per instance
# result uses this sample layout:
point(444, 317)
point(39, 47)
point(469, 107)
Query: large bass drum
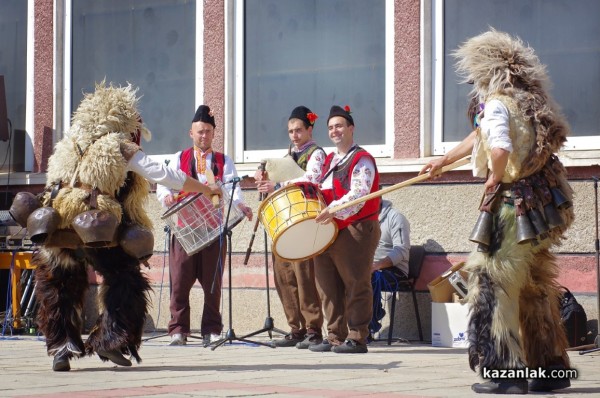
point(288, 215)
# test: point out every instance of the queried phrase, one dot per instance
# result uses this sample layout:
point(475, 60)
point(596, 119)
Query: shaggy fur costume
point(514, 297)
point(94, 155)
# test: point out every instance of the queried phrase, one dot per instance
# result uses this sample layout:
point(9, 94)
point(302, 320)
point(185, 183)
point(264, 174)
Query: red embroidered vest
point(187, 164)
point(341, 186)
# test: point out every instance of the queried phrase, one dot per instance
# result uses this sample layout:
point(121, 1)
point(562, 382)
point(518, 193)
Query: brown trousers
point(184, 271)
point(343, 274)
point(296, 287)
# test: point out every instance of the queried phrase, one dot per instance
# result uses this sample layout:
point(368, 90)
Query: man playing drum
point(184, 269)
point(343, 270)
point(295, 280)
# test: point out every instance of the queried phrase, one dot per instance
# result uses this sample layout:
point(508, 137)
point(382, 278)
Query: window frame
point(67, 69)
point(243, 156)
point(440, 147)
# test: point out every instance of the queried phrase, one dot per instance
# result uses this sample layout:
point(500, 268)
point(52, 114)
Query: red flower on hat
point(312, 117)
point(347, 108)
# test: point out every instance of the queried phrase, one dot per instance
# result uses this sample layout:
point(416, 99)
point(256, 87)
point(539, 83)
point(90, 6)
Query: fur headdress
point(108, 109)
point(497, 63)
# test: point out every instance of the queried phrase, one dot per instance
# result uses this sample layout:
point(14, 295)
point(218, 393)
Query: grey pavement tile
point(241, 370)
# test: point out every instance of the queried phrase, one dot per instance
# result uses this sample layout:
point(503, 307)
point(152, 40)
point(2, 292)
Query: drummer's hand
point(169, 200)
point(324, 217)
point(214, 189)
point(265, 186)
point(260, 175)
point(246, 210)
point(433, 167)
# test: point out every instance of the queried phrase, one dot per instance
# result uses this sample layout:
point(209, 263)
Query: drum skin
point(288, 215)
point(196, 222)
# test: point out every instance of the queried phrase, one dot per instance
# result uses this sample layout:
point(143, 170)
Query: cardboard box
point(449, 324)
point(440, 288)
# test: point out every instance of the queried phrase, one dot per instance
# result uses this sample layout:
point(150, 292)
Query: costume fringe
point(61, 283)
point(124, 302)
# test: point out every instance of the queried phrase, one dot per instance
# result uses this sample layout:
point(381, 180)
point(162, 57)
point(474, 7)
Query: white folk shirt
point(495, 123)
point(360, 184)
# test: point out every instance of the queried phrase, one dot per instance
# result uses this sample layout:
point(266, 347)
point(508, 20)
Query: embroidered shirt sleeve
point(360, 185)
point(313, 168)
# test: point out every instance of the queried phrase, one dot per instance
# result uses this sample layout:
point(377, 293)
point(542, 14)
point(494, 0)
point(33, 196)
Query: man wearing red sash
point(343, 271)
point(203, 265)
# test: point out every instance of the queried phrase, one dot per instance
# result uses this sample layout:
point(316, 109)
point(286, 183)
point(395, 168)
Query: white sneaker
point(208, 339)
point(178, 339)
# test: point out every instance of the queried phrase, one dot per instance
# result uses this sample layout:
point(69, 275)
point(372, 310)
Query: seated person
point(391, 258)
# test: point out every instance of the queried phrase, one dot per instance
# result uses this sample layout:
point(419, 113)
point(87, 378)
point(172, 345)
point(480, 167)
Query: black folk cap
point(204, 114)
point(343, 112)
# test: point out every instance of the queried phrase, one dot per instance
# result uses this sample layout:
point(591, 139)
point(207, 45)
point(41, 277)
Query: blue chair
point(407, 283)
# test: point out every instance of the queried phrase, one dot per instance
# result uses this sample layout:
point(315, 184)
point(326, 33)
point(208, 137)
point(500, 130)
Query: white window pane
point(148, 43)
point(313, 53)
point(13, 66)
point(566, 37)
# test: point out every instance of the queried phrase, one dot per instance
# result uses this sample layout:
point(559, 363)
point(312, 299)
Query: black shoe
point(508, 386)
point(114, 356)
point(61, 363)
point(323, 346)
point(289, 340)
point(309, 340)
point(546, 385)
point(350, 347)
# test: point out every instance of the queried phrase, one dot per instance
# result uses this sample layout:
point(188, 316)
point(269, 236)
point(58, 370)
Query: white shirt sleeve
point(229, 173)
point(156, 172)
point(496, 123)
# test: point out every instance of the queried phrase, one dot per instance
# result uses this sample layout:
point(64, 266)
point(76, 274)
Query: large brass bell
point(525, 230)
point(539, 224)
point(41, 223)
point(482, 230)
point(559, 199)
point(553, 217)
point(22, 206)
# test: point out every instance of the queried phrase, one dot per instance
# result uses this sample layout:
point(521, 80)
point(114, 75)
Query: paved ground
point(243, 369)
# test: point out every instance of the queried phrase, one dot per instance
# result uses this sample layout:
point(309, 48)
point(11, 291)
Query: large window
point(148, 43)
point(13, 66)
point(314, 53)
point(566, 37)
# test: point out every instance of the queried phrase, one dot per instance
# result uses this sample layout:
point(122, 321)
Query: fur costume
point(93, 155)
point(513, 293)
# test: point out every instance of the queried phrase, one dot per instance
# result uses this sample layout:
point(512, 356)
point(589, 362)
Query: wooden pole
point(402, 184)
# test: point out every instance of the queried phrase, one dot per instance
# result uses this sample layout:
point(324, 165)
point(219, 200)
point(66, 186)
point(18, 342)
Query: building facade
point(252, 61)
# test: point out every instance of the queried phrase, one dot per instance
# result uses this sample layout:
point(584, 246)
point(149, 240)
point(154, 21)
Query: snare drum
point(288, 216)
point(196, 222)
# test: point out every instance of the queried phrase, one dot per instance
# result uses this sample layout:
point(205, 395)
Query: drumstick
point(261, 167)
point(402, 184)
point(210, 178)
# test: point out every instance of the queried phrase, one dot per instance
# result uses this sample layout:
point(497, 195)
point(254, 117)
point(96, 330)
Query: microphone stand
point(230, 335)
point(596, 345)
point(167, 250)
point(269, 325)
